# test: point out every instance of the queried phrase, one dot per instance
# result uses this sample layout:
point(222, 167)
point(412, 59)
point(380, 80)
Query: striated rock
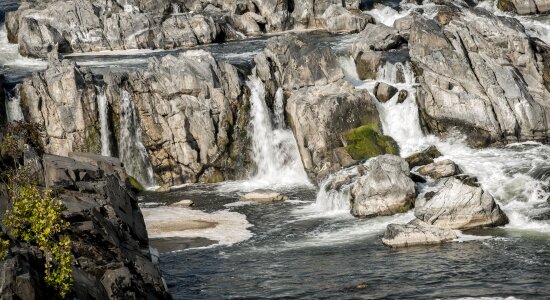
point(109, 240)
point(289, 63)
point(440, 169)
point(525, 7)
point(385, 189)
point(339, 19)
point(416, 233)
point(264, 196)
point(187, 107)
point(424, 157)
point(460, 206)
point(480, 75)
point(63, 100)
point(319, 115)
point(384, 92)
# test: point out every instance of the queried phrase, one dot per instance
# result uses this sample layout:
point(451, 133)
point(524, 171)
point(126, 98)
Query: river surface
point(310, 246)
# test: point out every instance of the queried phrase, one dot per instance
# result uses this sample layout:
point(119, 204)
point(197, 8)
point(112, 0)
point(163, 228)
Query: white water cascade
point(132, 151)
point(516, 175)
point(104, 122)
point(13, 106)
point(275, 151)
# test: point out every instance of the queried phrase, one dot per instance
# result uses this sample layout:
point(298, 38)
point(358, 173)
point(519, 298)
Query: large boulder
point(458, 205)
point(339, 19)
point(319, 115)
point(416, 233)
point(385, 189)
point(482, 75)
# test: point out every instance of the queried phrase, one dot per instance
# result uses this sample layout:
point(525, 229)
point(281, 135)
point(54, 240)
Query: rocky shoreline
point(186, 117)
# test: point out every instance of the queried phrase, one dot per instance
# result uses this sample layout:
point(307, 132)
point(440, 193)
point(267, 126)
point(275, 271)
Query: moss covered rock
point(134, 184)
point(367, 141)
point(506, 5)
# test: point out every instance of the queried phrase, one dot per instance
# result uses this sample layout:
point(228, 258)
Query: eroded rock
point(416, 233)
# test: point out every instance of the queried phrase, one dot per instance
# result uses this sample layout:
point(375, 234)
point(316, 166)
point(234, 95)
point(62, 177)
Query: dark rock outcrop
point(112, 258)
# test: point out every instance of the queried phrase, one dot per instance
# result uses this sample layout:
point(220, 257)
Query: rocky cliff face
point(190, 113)
point(112, 258)
point(87, 25)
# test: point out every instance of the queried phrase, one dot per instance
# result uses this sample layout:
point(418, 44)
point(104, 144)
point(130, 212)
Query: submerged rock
point(264, 196)
point(416, 233)
point(385, 189)
point(460, 206)
point(440, 169)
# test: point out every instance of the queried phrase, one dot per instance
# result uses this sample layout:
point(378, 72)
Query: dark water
point(293, 256)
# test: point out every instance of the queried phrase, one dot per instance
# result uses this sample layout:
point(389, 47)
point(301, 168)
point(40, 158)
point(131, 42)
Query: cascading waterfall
point(275, 151)
point(516, 175)
point(104, 122)
point(13, 106)
point(279, 109)
point(132, 151)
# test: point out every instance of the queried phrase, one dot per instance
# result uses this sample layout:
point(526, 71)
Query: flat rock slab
point(416, 233)
point(264, 196)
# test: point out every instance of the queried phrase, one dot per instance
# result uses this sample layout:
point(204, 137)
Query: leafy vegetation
point(35, 216)
point(367, 141)
point(36, 219)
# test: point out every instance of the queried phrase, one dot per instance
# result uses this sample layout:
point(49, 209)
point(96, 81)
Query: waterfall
point(279, 109)
point(511, 174)
point(132, 151)
point(104, 122)
point(275, 151)
point(13, 106)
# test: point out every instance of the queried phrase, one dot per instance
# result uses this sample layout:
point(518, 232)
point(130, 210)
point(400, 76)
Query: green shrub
point(367, 141)
point(4, 247)
point(36, 219)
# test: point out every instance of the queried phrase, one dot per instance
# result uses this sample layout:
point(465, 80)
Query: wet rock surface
point(416, 233)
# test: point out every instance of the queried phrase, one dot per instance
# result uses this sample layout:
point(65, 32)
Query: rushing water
point(275, 151)
point(103, 109)
point(13, 106)
point(132, 151)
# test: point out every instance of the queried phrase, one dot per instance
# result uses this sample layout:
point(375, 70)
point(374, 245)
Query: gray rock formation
point(416, 233)
point(385, 189)
point(440, 169)
point(187, 106)
point(108, 237)
point(88, 25)
point(264, 196)
point(384, 92)
point(63, 100)
point(339, 19)
point(379, 187)
point(319, 115)
point(525, 7)
point(481, 74)
point(460, 206)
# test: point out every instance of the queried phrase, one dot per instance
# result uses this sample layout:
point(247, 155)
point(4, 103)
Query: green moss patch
point(367, 141)
point(135, 185)
point(506, 5)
